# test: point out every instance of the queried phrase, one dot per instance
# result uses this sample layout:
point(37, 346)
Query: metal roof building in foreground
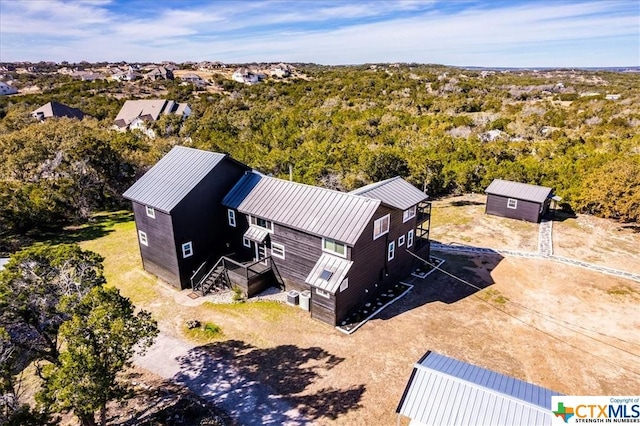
point(520, 191)
point(395, 192)
point(173, 177)
point(445, 391)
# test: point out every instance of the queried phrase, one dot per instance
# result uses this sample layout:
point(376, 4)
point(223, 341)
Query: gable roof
point(173, 177)
point(319, 211)
point(56, 109)
point(395, 192)
point(149, 109)
point(521, 191)
point(443, 390)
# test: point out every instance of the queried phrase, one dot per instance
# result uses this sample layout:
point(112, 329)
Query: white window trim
point(187, 250)
point(334, 252)
point(252, 218)
point(323, 293)
point(279, 247)
point(231, 216)
point(510, 201)
point(344, 285)
point(246, 242)
point(411, 214)
point(410, 236)
point(151, 212)
point(381, 219)
point(400, 240)
point(142, 236)
point(391, 250)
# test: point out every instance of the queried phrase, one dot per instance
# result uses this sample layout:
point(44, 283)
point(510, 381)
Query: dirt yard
point(569, 329)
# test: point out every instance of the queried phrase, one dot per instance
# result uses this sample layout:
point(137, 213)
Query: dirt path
point(215, 379)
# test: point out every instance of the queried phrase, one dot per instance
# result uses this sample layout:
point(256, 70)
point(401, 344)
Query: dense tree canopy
point(446, 130)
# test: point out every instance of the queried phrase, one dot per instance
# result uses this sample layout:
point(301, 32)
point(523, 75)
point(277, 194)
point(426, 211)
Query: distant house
point(5, 89)
point(194, 79)
point(280, 71)
point(137, 114)
point(342, 248)
point(246, 76)
point(445, 391)
point(178, 212)
point(128, 75)
point(56, 109)
point(517, 200)
point(159, 73)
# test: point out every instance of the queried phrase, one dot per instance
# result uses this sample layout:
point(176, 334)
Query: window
point(231, 214)
point(392, 250)
point(334, 247)
point(326, 275)
point(400, 240)
point(187, 250)
point(344, 285)
point(262, 223)
point(380, 227)
point(410, 238)
point(151, 212)
point(512, 203)
point(143, 238)
point(322, 293)
point(277, 250)
point(246, 242)
point(408, 214)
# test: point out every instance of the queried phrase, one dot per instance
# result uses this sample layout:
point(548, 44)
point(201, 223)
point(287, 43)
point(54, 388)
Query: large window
point(380, 227)
point(187, 250)
point(142, 236)
point(408, 214)
point(391, 253)
point(277, 250)
point(410, 238)
point(151, 212)
point(262, 223)
point(231, 214)
point(334, 247)
point(512, 203)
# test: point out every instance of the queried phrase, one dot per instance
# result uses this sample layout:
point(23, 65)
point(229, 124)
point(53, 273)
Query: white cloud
point(533, 34)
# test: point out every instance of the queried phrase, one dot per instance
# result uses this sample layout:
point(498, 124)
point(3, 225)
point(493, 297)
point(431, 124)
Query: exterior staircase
point(215, 280)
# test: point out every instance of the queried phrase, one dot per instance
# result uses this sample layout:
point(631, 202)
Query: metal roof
point(173, 177)
point(255, 233)
point(443, 390)
point(520, 191)
point(395, 192)
point(311, 209)
point(336, 268)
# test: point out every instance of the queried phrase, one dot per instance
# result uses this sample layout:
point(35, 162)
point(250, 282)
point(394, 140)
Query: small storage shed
point(445, 391)
point(517, 200)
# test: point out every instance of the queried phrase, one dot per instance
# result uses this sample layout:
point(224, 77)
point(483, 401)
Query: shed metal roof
point(520, 191)
point(173, 177)
point(257, 234)
point(395, 192)
point(443, 390)
point(337, 269)
point(311, 209)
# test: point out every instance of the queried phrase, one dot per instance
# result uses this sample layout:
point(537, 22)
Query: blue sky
point(517, 33)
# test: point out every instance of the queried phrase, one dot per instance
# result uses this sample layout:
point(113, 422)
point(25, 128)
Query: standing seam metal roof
point(521, 191)
point(443, 390)
point(173, 177)
point(314, 210)
point(395, 192)
point(338, 267)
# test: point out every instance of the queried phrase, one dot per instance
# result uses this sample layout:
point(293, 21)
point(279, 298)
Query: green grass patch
point(207, 332)
point(492, 295)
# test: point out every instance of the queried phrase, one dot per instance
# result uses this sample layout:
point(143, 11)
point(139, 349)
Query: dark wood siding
point(159, 256)
point(323, 308)
point(525, 210)
point(202, 219)
point(371, 271)
point(302, 251)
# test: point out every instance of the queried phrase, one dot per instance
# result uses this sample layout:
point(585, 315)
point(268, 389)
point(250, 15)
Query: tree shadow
point(266, 385)
point(474, 268)
point(462, 203)
point(96, 227)
point(556, 215)
point(633, 228)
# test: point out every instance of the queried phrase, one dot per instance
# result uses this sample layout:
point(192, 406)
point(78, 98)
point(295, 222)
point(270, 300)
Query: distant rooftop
point(395, 192)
